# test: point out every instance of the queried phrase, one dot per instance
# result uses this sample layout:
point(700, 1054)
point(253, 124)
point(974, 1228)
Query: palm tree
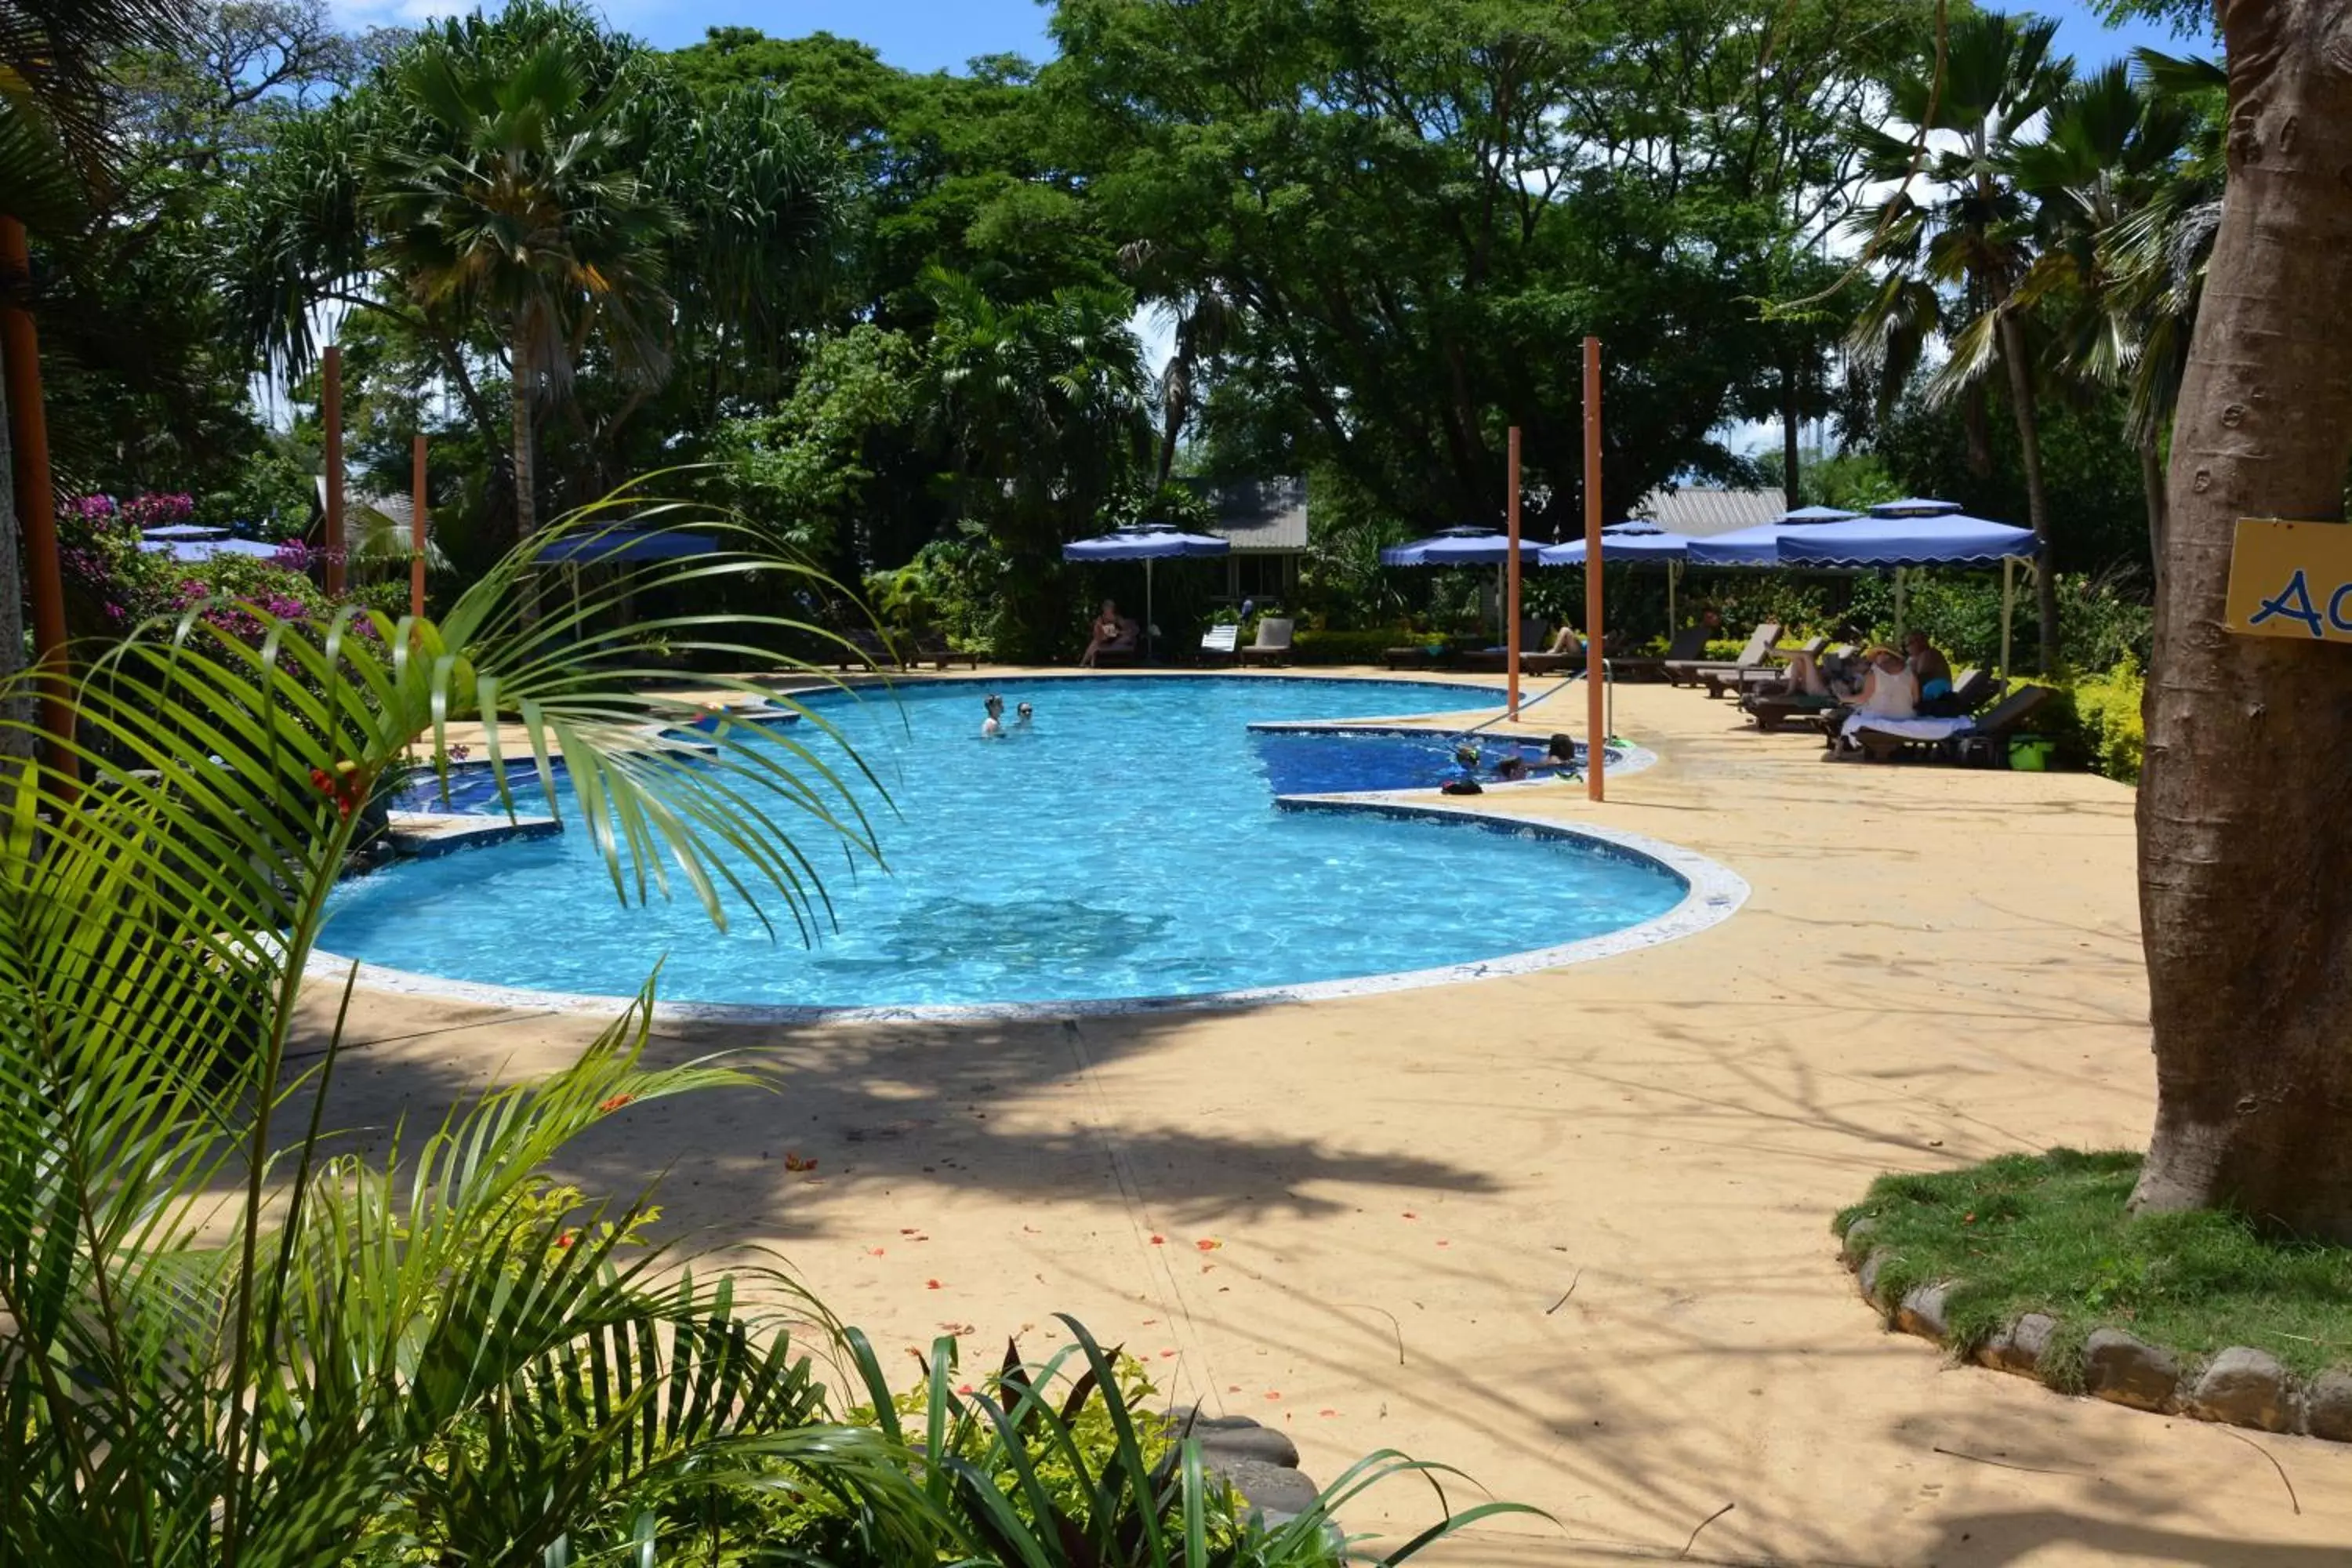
point(460, 1364)
point(2112, 154)
point(1954, 236)
point(511, 193)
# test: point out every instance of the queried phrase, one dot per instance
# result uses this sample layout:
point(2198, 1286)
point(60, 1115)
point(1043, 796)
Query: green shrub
point(2107, 708)
point(1354, 647)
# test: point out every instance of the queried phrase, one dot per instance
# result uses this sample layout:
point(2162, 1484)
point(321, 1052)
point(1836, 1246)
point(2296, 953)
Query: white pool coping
point(1712, 894)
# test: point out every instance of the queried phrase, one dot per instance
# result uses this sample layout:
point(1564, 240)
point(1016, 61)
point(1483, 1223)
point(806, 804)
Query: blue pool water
point(1128, 846)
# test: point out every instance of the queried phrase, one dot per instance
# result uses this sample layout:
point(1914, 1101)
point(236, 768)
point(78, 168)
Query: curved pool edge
point(1712, 894)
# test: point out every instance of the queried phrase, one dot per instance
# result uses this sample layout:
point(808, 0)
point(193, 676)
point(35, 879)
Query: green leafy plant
point(435, 1356)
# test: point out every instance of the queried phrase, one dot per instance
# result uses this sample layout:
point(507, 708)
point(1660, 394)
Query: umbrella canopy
point(1915, 506)
point(1631, 543)
point(194, 550)
point(1461, 547)
point(1817, 514)
point(1941, 539)
point(1145, 542)
point(607, 546)
point(185, 530)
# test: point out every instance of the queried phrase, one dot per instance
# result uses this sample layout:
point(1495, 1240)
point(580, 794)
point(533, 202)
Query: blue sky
point(940, 34)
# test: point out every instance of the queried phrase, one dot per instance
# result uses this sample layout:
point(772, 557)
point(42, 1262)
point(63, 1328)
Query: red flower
point(565, 1240)
point(615, 1104)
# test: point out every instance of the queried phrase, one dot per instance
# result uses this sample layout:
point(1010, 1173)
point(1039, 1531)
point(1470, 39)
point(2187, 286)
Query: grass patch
point(2048, 1234)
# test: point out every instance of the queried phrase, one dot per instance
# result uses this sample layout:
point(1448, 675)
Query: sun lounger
point(1738, 680)
point(1272, 644)
point(1983, 740)
point(1219, 643)
point(1122, 649)
point(1690, 672)
point(932, 649)
point(866, 650)
point(1688, 647)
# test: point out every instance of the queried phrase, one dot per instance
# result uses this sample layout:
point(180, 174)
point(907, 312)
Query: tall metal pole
point(1596, 721)
point(330, 402)
point(1511, 586)
point(36, 502)
point(416, 534)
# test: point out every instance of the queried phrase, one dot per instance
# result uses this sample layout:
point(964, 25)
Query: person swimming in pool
point(1025, 717)
point(992, 726)
point(1559, 756)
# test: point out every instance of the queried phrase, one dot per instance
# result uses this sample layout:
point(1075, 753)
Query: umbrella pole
point(1596, 673)
point(1898, 604)
point(1511, 590)
point(1673, 576)
point(1146, 609)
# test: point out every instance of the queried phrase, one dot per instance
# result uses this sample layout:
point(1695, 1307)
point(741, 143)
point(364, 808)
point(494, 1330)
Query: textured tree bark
point(2152, 481)
point(2037, 498)
point(526, 471)
point(2245, 808)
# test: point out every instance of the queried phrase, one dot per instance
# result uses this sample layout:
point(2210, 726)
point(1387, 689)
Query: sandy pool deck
point(1568, 1231)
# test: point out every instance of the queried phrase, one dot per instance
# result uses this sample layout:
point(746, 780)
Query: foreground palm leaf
point(220, 1343)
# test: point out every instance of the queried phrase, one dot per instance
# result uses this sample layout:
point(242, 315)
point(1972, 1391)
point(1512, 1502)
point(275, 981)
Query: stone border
point(2239, 1387)
point(1713, 894)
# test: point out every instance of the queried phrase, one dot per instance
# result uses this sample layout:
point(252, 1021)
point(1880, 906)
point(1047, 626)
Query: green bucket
point(2030, 755)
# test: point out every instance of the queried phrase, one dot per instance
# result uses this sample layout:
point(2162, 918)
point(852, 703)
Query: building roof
point(1704, 514)
point(396, 507)
point(1262, 517)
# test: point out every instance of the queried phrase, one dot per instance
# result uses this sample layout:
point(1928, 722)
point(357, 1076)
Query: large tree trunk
point(2037, 500)
point(2245, 818)
point(526, 471)
point(2151, 479)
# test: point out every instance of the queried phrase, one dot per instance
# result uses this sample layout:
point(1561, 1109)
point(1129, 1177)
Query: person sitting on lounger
point(1110, 633)
point(1567, 640)
point(1929, 668)
point(992, 726)
point(1558, 757)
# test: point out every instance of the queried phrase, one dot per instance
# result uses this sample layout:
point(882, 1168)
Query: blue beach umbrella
point(1915, 506)
point(195, 549)
point(1634, 543)
point(607, 546)
point(1817, 514)
point(1461, 547)
point(1896, 537)
point(1147, 542)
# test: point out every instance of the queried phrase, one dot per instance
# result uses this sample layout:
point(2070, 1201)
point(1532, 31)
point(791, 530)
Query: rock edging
point(1257, 1461)
point(2239, 1387)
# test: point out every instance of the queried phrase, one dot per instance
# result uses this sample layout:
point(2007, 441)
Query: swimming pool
point(1129, 844)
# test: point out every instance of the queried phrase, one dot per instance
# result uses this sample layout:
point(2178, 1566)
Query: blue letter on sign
point(2294, 603)
point(2335, 616)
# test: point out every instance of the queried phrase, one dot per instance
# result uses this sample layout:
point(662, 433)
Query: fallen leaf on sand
point(1410, 1214)
point(1274, 1393)
point(1159, 1241)
point(1326, 1413)
point(931, 1285)
point(1208, 1244)
point(798, 1163)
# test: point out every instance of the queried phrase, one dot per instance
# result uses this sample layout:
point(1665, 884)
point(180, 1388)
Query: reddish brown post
point(1596, 698)
point(416, 535)
point(36, 502)
point(1511, 582)
point(331, 411)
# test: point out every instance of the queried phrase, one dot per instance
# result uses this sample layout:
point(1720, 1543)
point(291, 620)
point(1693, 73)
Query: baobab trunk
point(2037, 498)
point(526, 471)
point(2152, 481)
point(2245, 808)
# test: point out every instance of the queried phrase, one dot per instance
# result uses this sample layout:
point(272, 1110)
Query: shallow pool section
point(1129, 844)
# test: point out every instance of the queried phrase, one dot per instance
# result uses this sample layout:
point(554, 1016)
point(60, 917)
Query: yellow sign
point(2292, 579)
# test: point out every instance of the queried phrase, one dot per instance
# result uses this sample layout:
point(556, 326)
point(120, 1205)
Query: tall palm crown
point(53, 95)
point(510, 194)
point(1956, 238)
point(1956, 234)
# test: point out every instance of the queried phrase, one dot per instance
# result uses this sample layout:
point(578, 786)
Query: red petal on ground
point(931, 1285)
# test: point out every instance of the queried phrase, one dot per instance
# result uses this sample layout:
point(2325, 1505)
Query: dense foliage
point(905, 317)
